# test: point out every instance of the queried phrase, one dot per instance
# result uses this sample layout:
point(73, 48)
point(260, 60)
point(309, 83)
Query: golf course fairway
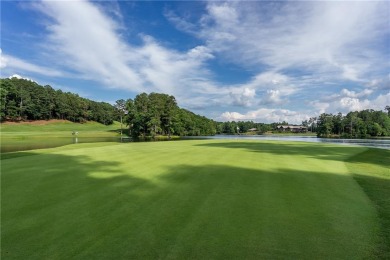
point(201, 199)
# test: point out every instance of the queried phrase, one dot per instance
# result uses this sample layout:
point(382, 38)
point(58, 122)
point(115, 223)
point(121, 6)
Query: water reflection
point(378, 143)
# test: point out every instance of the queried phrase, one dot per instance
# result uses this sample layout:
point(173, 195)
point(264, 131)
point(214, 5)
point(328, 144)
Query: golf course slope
point(202, 199)
point(56, 128)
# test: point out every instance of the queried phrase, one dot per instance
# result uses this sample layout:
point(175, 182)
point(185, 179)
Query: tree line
point(357, 124)
point(26, 100)
point(158, 114)
point(233, 127)
point(146, 115)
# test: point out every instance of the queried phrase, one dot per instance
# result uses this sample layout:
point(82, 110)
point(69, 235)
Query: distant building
point(292, 128)
point(252, 129)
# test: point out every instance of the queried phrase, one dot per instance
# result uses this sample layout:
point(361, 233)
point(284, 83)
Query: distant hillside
point(147, 115)
point(27, 100)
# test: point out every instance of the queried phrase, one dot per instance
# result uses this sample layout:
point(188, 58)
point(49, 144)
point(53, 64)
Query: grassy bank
point(57, 128)
point(52, 133)
point(196, 199)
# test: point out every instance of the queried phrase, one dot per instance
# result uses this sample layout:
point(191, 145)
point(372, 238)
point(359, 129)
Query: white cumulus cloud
point(266, 115)
point(351, 101)
point(352, 104)
point(320, 37)
point(243, 97)
point(311, 56)
point(102, 54)
point(272, 96)
point(354, 94)
point(3, 60)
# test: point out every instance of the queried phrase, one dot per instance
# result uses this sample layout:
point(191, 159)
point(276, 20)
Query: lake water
point(377, 143)
point(29, 143)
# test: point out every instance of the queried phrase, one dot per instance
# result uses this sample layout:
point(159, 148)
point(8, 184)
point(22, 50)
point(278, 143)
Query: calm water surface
point(26, 143)
point(378, 143)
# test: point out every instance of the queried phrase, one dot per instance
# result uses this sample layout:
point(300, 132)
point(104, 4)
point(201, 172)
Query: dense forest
point(26, 100)
point(358, 124)
point(146, 115)
point(158, 114)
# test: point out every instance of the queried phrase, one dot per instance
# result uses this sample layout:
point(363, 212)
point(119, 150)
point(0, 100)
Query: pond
point(29, 143)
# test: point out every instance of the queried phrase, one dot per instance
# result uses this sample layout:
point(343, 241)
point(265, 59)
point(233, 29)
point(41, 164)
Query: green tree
point(130, 117)
point(142, 117)
point(388, 110)
point(168, 114)
point(338, 124)
point(376, 130)
point(155, 108)
point(121, 110)
point(3, 99)
point(325, 125)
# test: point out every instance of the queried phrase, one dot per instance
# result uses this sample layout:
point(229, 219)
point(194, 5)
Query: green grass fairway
point(204, 199)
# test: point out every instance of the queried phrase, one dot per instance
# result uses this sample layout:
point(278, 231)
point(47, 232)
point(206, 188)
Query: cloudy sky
point(264, 61)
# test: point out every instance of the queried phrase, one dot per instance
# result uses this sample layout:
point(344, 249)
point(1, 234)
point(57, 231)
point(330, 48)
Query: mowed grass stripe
point(371, 169)
point(186, 199)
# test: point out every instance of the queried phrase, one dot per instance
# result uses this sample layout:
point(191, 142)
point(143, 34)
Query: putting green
point(193, 199)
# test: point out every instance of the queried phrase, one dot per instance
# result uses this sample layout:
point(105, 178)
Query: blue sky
point(253, 60)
